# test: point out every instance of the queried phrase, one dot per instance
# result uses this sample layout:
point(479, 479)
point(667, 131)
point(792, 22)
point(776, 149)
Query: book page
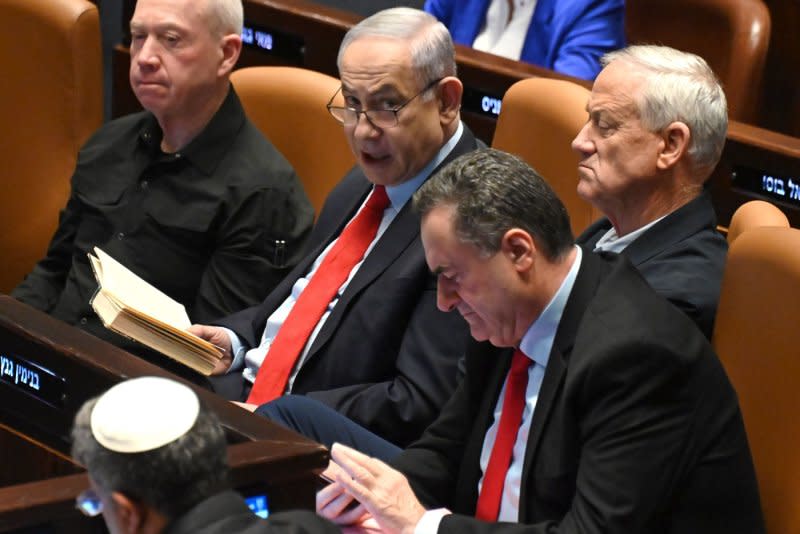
point(133, 292)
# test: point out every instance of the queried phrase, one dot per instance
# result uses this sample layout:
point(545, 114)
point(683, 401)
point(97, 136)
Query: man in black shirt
point(188, 194)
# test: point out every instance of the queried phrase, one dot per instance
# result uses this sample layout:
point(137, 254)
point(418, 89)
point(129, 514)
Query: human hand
point(246, 406)
point(216, 336)
point(381, 490)
point(336, 505)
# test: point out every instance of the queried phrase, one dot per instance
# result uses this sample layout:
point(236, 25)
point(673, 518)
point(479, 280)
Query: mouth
point(371, 159)
point(466, 314)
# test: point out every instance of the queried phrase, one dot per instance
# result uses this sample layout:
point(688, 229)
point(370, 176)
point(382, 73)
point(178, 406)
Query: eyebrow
point(159, 28)
point(383, 90)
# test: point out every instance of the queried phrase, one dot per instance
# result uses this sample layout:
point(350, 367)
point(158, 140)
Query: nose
point(364, 129)
point(148, 53)
point(581, 144)
point(447, 298)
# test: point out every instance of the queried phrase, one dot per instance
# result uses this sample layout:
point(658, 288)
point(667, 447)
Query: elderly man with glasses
point(355, 325)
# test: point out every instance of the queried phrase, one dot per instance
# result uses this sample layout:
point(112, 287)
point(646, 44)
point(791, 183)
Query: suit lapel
point(586, 283)
point(400, 234)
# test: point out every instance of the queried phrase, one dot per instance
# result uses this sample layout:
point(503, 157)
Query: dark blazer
point(682, 257)
point(227, 513)
point(386, 357)
point(636, 428)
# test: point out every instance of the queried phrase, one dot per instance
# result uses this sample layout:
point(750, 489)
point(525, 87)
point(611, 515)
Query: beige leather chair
point(538, 121)
point(754, 214)
point(755, 336)
point(51, 100)
point(288, 105)
point(731, 35)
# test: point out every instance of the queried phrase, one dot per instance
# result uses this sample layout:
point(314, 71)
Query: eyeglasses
point(379, 118)
point(89, 503)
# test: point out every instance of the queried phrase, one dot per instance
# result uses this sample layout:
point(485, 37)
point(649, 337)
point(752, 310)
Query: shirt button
point(84, 320)
point(144, 184)
point(121, 236)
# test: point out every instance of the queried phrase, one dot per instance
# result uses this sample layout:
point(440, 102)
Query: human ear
point(450, 91)
point(129, 514)
point(519, 247)
point(676, 137)
point(231, 46)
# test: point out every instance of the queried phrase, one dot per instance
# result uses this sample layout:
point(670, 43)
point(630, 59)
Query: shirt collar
point(206, 150)
point(537, 342)
point(611, 242)
point(399, 194)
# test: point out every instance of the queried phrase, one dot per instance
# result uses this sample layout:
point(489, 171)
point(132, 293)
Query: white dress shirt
point(503, 32)
point(253, 358)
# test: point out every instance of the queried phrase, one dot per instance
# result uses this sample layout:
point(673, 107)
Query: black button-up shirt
point(215, 226)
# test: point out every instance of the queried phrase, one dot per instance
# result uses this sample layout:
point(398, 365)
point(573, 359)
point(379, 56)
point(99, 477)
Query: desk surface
point(34, 427)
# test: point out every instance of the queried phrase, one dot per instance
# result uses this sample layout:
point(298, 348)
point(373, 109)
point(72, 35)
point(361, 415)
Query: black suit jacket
point(636, 428)
point(386, 357)
point(682, 257)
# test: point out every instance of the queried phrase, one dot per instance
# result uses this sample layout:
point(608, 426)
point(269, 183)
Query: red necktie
point(305, 314)
point(510, 419)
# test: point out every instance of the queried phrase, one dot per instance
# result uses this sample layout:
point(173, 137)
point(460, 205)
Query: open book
point(130, 306)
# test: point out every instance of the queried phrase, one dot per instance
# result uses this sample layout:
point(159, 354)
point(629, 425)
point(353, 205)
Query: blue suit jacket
point(567, 36)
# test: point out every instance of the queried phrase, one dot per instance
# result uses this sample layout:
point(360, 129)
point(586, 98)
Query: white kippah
point(142, 414)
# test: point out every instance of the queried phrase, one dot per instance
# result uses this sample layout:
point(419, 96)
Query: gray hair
point(170, 479)
point(433, 55)
point(493, 192)
point(680, 86)
point(225, 16)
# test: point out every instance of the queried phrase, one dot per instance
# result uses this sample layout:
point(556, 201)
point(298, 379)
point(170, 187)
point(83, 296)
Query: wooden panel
point(37, 421)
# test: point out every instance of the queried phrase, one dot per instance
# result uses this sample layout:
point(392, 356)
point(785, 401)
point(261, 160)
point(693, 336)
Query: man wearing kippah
point(156, 459)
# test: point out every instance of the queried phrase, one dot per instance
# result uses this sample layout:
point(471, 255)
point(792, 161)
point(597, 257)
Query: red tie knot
point(520, 363)
point(378, 200)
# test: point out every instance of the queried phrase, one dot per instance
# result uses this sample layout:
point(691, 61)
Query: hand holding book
point(130, 306)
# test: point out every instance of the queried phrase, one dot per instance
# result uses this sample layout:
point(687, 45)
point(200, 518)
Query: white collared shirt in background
point(504, 32)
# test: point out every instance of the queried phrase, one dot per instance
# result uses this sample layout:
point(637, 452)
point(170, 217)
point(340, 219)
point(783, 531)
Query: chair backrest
point(731, 35)
point(288, 105)
point(754, 214)
point(754, 335)
point(51, 100)
point(538, 121)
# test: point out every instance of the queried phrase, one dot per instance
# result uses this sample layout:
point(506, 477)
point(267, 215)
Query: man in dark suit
point(381, 353)
point(657, 124)
point(612, 415)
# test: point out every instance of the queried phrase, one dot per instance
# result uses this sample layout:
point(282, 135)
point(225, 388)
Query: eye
point(138, 36)
point(171, 39)
point(351, 102)
point(389, 103)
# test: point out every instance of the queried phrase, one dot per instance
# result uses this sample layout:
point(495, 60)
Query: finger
point(330, 472)
point(355, 462)
point(353, 515)
point(246, 406)
point(327, 494)
point(334, 509)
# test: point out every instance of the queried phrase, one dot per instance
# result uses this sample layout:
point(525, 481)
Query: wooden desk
point(71, 367)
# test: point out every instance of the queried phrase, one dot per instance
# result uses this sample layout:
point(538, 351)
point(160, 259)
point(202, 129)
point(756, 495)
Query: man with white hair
point(656, 128)
point(187, 194)
point(157, 463)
